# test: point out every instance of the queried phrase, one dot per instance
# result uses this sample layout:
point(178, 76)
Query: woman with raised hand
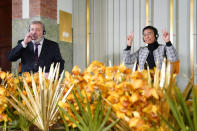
point(153, 52)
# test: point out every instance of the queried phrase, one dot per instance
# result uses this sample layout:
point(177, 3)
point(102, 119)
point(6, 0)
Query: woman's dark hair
point(153, 29)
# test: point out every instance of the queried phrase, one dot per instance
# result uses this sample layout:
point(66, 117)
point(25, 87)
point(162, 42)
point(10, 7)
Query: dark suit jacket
point(49, 54)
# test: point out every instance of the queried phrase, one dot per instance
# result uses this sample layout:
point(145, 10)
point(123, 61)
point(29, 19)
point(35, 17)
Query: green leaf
point(77, 114)
point(80, 105)
point(88, 120)
point(4, 126)
point(100, 117)
point(64, 120)
point(96, 121)
point(167, 122)
point(184, 108)
point(89, 112)
point(194, 109)
point(176, 113)
point(80, 95)
point(105, 119)
point(73, 120)
point(10, 114)
point(188, 90)
point(111, 125)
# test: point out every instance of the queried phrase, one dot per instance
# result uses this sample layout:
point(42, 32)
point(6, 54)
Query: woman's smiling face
point(149, 36)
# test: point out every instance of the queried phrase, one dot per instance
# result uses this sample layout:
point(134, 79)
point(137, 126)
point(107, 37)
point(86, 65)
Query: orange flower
point(128, 94)
point(3, 117)
point(76, 70)
point(148, 92)
point(2, 75)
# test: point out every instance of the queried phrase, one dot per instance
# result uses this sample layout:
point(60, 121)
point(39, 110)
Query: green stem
point(26, 129)
point(4, 126)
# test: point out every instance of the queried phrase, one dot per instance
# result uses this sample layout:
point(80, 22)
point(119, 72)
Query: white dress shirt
point(39, 46)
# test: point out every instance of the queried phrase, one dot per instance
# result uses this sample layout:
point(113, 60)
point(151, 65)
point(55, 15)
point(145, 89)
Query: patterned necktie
point(36, 54)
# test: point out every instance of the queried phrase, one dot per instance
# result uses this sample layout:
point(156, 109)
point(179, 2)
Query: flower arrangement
point(134, 97)
point(131, 100)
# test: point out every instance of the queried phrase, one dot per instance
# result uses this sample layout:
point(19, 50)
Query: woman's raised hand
point(165, 36)
point(130, 39)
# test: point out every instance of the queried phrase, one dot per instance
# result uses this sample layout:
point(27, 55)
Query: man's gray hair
point(37, 22)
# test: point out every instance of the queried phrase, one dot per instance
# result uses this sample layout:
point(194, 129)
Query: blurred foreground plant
point(86, 119)
point(38, 103)
point(184, 111)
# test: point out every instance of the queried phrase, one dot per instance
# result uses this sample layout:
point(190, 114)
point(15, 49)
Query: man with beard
point(36, 51)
